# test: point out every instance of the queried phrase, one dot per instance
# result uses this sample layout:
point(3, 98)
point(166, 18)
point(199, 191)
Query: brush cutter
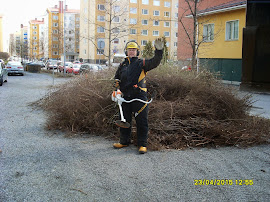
point(117, 97)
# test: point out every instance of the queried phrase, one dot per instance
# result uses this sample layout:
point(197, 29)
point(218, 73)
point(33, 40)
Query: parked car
point(42, 64)
point(15, 68)
point(52, 64)
point(76, 68)
point(67, 66)
point(86, 68)
point(3, 73)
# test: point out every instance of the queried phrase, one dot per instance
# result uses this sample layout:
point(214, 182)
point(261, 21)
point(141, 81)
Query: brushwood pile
point(189, 110)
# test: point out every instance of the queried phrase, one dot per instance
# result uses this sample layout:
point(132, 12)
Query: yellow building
point(106, 26)
point(36, 37)
point(1, 33)
point(61, 22)
point(220, 34)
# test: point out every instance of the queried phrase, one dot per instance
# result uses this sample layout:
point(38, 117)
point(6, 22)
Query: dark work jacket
point(133, 71)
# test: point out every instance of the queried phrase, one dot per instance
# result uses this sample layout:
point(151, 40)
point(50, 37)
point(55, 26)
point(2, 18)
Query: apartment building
point(36, 39)
point(12, 47)
point(24, 41)
point(107, 25)
point(62, 26)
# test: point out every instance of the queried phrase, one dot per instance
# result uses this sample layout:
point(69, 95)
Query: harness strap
point(143, 107)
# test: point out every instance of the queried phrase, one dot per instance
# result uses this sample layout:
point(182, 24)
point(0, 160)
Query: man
point(131, 76)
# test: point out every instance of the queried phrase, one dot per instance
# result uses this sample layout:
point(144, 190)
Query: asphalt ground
point(41, 165)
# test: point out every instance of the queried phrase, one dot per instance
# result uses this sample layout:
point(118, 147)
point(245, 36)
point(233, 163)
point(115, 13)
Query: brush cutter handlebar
point(117, 97)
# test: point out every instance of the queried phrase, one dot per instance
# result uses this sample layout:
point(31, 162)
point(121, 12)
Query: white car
point(15, 68)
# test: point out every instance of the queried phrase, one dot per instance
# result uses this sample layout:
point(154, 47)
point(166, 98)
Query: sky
point(17, 12)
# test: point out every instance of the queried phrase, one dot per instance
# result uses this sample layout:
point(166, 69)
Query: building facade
point(61, 26)
point(220, 34)
point(186, 25)
point(36, 39)
point(107, 25)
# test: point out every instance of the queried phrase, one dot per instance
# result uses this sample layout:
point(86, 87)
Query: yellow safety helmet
point(132, 44)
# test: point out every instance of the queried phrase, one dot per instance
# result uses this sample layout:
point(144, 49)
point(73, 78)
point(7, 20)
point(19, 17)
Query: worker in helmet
point(131, 76)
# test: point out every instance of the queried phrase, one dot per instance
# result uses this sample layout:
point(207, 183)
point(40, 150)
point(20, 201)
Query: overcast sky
point(17, 12)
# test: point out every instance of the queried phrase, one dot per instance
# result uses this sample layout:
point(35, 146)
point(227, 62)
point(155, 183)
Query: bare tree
point(113, 25)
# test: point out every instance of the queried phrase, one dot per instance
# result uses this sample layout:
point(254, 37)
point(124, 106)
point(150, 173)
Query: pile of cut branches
point(189, 110)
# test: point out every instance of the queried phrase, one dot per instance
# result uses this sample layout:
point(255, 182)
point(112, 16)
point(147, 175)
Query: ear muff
point(138, 49)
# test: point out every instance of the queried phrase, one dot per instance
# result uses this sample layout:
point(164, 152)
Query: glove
point(116, 83)
point(159, 44)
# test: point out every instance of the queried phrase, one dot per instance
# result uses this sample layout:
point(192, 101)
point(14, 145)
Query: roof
point(229, 6)
point(36, 22)
point(53, 9)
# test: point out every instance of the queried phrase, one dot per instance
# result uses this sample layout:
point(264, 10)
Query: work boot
point(142, 150)
point(119, 145)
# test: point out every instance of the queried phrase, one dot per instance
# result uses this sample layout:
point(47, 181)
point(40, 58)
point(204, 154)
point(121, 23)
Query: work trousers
point(141, 121)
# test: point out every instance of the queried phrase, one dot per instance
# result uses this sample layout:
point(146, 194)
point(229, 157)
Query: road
point(41, 165)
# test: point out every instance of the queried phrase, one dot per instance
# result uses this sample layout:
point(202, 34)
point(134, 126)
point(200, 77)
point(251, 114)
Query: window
point(84, 52)
point(166, 24)
point(175, 44)
point(168, 44)
point(116, 41)
point(143, 42)
point(34, 27)
point(176, 5)
point(155, 33)
point(55, 45)
point(176, 15)
point(101, 18)
point(55, 24)
point(176, 24)
point(100, 44)
point(145, 32)
point(35, 32)
point(133, 1)
point(55, 17)
point(166, 14)
point(176, 34)
point(156, 23)
point(156, 13)
point(101, 7)
point(208, 32)
point(133, 21)
point(55, 52)
point(55, 31)
point(133, 10)
point(167, 4)
point(55, 38)
point(70, 32)
point(156, 3)
point(100, 30)
point(144, 11)
point(232, 30)
point(166, 34)
point(145, 2)
point(115, 30)
point(144, 22)
point(116, 8)
point(133, 31)
point(34, 37)
point(116, 19)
